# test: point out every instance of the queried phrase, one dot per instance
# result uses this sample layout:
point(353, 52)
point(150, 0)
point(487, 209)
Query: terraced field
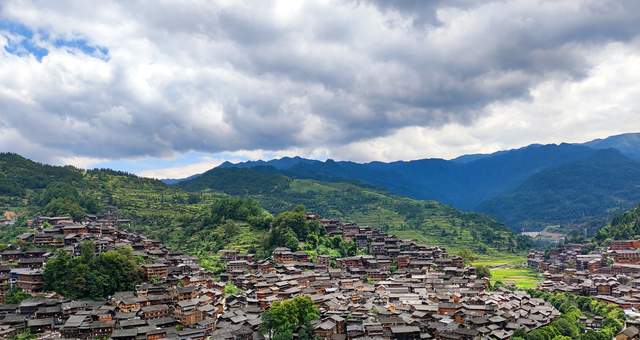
point(509, 269)
point(429, 222)
point(521, 277)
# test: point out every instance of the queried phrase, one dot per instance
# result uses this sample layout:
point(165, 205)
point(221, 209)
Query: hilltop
point(428, 221)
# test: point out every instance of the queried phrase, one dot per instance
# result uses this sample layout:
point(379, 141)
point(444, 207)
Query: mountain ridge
point(477, 182)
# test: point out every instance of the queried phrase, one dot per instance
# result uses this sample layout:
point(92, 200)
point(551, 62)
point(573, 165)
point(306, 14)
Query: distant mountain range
point(628, 144)
point(531, 187)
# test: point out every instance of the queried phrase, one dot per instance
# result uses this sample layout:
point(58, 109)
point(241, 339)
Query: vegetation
point(234, 182)
point(92, 276)
point(231, 289)
point(508, 269)
point(201, 223)
point(284, 318)
point(523, 278)
point(483, 271)
point(584, 193)
point(25, 335)
point(567, 326)
point(625, 226)
point(467, 256)
point(504, 259)
point(15, 296)
point(9, 232)
point(426, 221)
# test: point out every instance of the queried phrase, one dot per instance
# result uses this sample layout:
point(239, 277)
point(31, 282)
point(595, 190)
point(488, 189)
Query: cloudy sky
point(172, 88)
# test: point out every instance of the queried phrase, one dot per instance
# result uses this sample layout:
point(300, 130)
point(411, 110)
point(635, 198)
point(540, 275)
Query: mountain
point(29, 186)
point(628, 144)
point(280, 164)
point(463, 184)
point(18, 174)
point(238, 181)
point(495, 183)
point(581, 193)
point(428, 221)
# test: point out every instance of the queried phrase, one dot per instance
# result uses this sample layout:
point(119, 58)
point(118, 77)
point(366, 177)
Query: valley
point(239, 223)
point(320, 170)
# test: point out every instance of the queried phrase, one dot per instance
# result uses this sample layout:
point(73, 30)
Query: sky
point(168, 89)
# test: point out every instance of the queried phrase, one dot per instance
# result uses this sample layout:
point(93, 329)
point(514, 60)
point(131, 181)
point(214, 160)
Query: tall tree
point(284, 318)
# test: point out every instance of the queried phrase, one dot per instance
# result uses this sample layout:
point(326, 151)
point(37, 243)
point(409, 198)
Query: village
point(610, 275)
point(399, 290)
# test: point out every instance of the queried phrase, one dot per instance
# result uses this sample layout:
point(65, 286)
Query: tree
point(15, 296)
point(231, 208)
point(566, 327)
point(91, 276)
point(294, 220)
point(286, 317)
point(282, 237)
point(467, 256)
point(483, 271)
point(231, 289)
point(231, 229)
point(64, 206)
point(59, 190)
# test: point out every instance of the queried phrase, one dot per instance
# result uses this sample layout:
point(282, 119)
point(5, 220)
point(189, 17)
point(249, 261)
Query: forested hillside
point(532, 187)
point(266, 215)
point(462, 184)
point(428, 221)
point(583, 193)
point(624, 226)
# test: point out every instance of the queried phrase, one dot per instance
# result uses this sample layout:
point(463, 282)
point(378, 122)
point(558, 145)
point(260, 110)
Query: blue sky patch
point(26, 41)
point(21, 40)
point(84, 46)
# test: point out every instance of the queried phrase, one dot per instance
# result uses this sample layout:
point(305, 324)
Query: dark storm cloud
point(207, 77)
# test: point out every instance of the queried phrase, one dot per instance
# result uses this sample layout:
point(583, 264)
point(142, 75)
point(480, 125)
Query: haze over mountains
point(530, 187)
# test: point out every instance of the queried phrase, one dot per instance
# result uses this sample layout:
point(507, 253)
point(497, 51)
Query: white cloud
point(602, 104)
point(345, 80)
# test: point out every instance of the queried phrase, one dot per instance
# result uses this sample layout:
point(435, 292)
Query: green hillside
point(625, 226)
point(427, 221)
point(181, 220)
point(201, 222)
point(198, 223)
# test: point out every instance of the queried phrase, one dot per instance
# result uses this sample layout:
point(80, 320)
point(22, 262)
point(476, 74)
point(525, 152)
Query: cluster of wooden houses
point(183, 303)
point(611, 275)
point(398, 290)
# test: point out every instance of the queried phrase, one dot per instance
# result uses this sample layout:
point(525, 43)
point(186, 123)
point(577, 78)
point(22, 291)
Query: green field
point(508, 268)
point(521, 277)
